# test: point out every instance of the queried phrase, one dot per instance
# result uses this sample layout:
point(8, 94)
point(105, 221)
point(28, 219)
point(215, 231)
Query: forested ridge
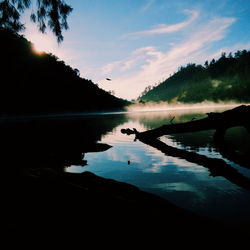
point(225, 79)
point(32, 83)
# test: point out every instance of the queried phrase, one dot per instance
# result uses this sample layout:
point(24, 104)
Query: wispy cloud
point(149, 65)
point(133, 61)
point(165, 28)
point(148, 4)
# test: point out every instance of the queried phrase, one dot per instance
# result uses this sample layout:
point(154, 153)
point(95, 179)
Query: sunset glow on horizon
point(37, 51)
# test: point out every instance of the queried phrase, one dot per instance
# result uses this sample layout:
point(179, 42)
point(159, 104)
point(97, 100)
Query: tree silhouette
point(48, 13)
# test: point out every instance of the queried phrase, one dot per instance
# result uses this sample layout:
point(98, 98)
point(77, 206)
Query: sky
point(137, 43)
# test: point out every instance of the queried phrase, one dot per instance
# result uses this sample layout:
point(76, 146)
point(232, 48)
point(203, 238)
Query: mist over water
point(164, 106)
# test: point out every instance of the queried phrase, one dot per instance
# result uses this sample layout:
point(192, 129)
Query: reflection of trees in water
point(37, 193)
point(154, 119)
point(193, 141)
point(237, 138)
point(53, 143)
point(235, 147)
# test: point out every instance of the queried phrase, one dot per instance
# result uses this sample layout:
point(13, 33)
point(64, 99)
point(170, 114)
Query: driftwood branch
point(220, 122)
point(216, 167)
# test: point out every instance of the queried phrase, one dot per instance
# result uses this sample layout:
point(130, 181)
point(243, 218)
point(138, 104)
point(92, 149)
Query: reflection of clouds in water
point(163, 161)
point(157, 166)
point(184, 183)
point(125, 155)
point(182, 187)
point(116, 136)
point(74, 169)
point(143, 157)
point(184, 165)
point(176, 186)
point(210, 153)
point(148, 159)
point(169, 141)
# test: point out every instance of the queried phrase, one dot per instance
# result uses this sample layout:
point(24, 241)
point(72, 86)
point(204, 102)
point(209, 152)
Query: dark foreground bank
point(42, 204)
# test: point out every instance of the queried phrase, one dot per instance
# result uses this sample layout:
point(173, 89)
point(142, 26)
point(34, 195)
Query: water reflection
point(52, 142)
point(187, 184)
point(69, 144)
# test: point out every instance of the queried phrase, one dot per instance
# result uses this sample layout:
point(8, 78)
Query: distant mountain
point(227, 79)
point(33, 83)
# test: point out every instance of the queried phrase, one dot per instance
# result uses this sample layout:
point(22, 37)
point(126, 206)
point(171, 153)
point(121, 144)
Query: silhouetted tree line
point(46, 13)
point(225, 79)
point(33, 83)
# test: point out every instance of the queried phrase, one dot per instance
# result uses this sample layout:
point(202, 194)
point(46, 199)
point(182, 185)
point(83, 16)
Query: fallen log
point(220, 122)
point(216, 167)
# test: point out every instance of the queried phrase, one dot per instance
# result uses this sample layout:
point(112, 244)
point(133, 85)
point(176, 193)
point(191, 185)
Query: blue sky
point(138, 43)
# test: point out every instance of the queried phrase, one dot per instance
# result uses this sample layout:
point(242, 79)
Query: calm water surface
point(186, 184)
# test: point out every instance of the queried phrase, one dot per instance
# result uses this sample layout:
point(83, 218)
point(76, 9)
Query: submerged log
point(220, 122)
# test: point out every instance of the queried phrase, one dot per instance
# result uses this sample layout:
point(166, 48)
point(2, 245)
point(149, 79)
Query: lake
point(184, 183)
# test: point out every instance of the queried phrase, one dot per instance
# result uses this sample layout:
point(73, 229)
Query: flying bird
point(108, 79)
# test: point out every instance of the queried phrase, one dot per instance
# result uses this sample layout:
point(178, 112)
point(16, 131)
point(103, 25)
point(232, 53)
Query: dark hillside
point(33, 83)
point(227, 79)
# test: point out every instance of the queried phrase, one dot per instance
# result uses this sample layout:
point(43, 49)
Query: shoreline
point(49, 202)
point(72, 115)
